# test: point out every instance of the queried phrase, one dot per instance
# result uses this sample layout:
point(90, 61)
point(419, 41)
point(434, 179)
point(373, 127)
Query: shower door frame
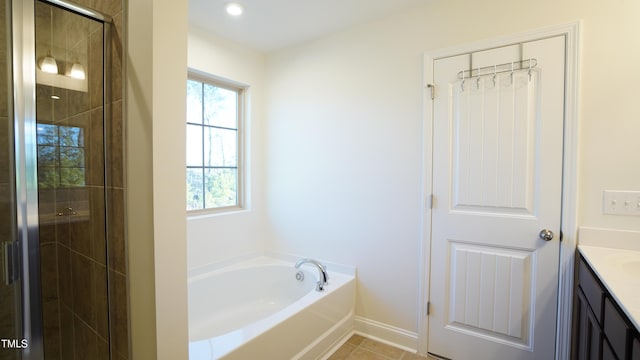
point(23, 65)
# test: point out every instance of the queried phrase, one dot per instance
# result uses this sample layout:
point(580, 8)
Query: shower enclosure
point(61, 222)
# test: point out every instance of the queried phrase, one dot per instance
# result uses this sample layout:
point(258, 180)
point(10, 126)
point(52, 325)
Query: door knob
point(546, 235)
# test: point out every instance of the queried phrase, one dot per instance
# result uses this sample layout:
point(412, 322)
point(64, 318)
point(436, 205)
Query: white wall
point(216, 238)
point(155, 203)
point(344, 134)
point(344, 165)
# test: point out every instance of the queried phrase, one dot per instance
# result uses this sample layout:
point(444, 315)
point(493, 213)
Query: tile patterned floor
point(361, 348)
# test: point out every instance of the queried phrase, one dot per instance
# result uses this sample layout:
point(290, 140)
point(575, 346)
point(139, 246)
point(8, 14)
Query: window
point(214, 120)
point(60, 156)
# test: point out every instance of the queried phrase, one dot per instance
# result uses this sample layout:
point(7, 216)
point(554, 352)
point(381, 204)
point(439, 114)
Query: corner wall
point(155, 104)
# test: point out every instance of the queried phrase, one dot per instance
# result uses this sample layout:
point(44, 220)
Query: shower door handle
point(11, 268)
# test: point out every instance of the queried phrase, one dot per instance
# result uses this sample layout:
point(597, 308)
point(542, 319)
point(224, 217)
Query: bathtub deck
point(360, 348)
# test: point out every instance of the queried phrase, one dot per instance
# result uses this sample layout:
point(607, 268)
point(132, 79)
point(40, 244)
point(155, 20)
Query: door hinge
point(432, 87)
point(427, 308)
point(11, 263)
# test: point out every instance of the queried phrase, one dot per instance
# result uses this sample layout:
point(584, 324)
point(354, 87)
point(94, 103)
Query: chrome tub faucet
point(322, 271)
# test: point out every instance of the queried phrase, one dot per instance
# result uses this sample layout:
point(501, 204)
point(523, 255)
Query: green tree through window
point(61, 156)
point(212, 145)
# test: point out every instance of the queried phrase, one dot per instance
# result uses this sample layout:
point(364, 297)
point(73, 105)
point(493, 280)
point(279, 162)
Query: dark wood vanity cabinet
point(587, 336)
point(587, 315)
point(601, 331)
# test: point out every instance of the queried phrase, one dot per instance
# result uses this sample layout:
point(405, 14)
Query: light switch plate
point(621, 202)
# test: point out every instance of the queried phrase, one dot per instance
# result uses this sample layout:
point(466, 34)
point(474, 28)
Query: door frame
point(23, 75)
point(569, 220)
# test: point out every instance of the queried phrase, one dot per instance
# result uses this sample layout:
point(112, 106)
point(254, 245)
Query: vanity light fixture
point(77, 71)
point(48, 64)
point(73, 75)
point(234, 9)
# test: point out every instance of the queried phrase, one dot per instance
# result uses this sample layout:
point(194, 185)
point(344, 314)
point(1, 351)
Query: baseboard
point(384, 333)
point(329, 342)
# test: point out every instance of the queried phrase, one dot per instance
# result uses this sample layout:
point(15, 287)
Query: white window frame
point(241, 91)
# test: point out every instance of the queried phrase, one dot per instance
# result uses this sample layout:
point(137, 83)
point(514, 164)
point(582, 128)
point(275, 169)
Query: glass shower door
point(70, 138)
point(54, 293)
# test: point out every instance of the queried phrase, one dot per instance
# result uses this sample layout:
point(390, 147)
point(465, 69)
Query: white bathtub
point(258, 310)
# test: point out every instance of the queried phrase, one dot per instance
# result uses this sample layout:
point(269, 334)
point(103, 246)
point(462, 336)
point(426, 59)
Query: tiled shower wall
point(115, 187)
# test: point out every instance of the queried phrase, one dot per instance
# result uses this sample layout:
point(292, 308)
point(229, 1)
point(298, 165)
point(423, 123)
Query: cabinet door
point(587, 333)
point(615, 329)
point(607, 353)
point(591, 287)
point(635, 353)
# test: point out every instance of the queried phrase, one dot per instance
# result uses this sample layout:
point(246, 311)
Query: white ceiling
point(268, 25)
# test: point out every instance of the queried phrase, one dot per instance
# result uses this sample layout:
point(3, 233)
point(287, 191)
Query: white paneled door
point(497, 181)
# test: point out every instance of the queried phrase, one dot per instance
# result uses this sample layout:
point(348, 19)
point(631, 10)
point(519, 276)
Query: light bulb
point(49, 65)
point(77, 72)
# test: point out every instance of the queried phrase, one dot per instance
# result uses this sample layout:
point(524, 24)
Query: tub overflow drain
point(299, 276)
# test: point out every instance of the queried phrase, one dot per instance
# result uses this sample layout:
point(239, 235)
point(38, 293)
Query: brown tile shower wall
point(118, 305)
point(118, 310)
point(81, 311)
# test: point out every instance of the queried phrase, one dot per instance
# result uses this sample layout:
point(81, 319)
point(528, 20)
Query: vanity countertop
point(619, 270)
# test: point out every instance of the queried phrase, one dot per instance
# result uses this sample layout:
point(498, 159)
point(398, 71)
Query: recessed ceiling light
point(234, 9)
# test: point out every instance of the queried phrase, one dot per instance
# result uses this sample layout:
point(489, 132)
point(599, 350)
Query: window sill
point(207, 213)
